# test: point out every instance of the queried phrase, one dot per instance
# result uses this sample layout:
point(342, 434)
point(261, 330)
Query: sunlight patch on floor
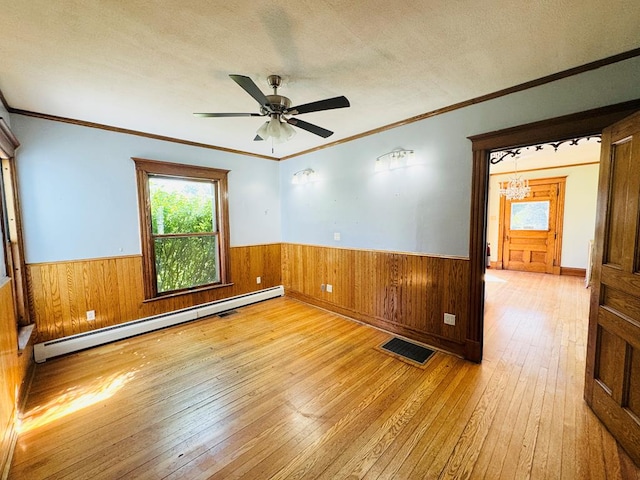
point(73, 400)
point(489, 277)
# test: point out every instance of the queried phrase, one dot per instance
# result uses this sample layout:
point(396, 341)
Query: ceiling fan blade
point(328, 104)
point(228, 115)
point(310, 127)
point(252, 89)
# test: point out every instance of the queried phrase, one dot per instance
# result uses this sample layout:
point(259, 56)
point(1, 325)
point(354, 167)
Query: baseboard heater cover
point(53, 348)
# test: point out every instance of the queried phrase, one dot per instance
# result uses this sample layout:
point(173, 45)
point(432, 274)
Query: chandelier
point(516, 188)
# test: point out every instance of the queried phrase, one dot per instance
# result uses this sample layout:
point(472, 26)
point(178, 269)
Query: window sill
point(24, 335)
point(187, 292)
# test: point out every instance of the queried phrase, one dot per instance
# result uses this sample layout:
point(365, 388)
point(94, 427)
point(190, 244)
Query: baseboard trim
point(573, 272)
point(10, 439)
point(473, 351)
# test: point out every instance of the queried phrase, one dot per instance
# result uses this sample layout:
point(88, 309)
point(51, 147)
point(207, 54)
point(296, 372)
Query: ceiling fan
point(279, 108)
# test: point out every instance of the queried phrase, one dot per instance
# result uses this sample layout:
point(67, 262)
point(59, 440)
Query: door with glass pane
point(531, 229)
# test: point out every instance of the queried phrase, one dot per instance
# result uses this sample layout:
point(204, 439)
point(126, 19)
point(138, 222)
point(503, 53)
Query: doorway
point(604, 348)
point(530, 229)
point(587, 123)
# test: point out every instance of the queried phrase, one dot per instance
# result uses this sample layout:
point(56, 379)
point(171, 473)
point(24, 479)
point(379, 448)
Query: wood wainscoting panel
point(16, 367)
point(61, 293)
point(403, 293)
point(9, 380)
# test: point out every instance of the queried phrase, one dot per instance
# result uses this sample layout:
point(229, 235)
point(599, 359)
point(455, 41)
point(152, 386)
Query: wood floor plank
point(198, 392)
point(415, 439)
point(209, 462)
point(357, 459)
point(284, 390)
point(248, 403)
point(328, 414)
point(493, 415)
point(315, 457)
point(528, 441)
point(272, 455)
point(472, 441)
point(450, 429)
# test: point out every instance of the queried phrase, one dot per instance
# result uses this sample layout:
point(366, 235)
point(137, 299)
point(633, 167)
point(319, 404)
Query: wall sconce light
point(397, 158)
point(304, 176)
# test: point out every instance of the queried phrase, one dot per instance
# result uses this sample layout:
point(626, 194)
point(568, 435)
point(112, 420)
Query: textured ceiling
point(147, 65)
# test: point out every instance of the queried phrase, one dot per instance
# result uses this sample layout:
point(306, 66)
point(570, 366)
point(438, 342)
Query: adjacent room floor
point(285, 390)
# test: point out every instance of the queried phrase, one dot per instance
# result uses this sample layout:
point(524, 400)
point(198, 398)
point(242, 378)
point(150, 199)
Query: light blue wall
point(79, 197)
point(426, 208)
point(79, 200)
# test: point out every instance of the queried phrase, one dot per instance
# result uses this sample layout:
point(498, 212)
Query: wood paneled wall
point(14, 367)
point(403, 293)
point(61, 293)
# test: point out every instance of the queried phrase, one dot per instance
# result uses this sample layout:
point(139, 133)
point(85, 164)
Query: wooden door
point(612, 383)
point(531, 229)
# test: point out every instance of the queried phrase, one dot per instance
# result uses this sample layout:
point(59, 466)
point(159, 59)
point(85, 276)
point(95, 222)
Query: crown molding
point(111, 128)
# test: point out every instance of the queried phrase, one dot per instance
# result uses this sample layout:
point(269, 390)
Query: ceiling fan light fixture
point(278, 131)
point(274, 129)
point(263, 130)
point(289, 131)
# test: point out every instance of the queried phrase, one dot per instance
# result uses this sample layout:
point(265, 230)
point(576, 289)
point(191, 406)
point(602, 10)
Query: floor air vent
point(408, 350)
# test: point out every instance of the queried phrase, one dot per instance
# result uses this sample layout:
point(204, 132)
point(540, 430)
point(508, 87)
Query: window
point(184, 224)
point(530, 215)
point(11, 225)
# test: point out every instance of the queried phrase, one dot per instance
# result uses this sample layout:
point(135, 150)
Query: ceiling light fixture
point(516, 188)
point(275, 129)
point(304, 176)
point(397, 158)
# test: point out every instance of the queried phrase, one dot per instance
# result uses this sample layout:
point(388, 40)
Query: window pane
point(184, 262)
point(530, 215)
point(181, 206)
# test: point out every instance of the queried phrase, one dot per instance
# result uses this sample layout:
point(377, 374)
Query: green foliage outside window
point(184, 232)
point(530, 215)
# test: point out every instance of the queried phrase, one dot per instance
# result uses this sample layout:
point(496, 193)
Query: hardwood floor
point(285, 390)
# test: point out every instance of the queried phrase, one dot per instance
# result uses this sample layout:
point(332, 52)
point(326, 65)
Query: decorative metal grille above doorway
point(497, 156)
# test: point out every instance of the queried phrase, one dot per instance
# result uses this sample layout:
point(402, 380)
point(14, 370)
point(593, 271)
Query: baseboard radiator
point(53, 348)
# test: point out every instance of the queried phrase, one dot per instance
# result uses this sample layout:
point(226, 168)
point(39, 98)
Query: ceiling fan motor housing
point(278, 103)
